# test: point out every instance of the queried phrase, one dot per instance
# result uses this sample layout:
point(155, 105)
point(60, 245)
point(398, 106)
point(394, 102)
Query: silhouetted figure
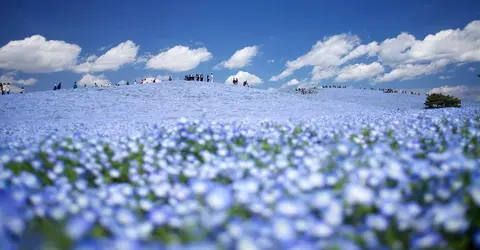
point(96, 85)
point(245, 84)
point(8, 88)
point(54, 87)
point(75, 85)
point(3, 88)
point(22, 90)
point(208, 78)
point(170, 78)
point(59, 86)
point(128, 83)
point(201, 77)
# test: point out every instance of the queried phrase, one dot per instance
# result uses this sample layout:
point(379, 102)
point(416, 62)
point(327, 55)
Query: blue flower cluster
point(411, 182)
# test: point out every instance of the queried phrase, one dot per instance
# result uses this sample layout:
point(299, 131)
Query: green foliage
point(442, 101)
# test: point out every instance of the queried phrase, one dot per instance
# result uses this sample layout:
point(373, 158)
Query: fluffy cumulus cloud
point(113, 59)
point(240, 58)
point(10, 78)
point(403, 57)
point(356, 72)
point(245, 76)
point(463, 92)
point(370, 50)
point(324, 54)
point(179, 59)
point(90, 80)
point(36, 54)
point(411, 71)
point(292, 82)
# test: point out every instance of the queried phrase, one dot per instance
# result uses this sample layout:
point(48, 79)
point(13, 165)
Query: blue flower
point(219, 198)
point(77, 227)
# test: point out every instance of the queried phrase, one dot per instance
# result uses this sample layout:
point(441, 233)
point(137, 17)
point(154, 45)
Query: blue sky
point(171, 37)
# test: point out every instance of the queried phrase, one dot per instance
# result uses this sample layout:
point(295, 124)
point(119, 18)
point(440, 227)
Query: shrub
point(442, 101)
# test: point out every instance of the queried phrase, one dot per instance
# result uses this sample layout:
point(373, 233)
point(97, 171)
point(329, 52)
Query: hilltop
point(125, 110)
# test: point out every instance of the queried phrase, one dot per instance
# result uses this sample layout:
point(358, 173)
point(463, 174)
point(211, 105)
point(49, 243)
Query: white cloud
point(392, 50)
point(240, 58)
point(245, 76)
point(9, 77)
point(411, 71)
point(324, 54)
point(406, 56)
point(27, 82)
point(179, 59)
point(472, 69)
point(292, 82)
point(370, 49)
point(271, 61)
point(320, 73)
point(286, 73)
point(113, 59)
point(103, 48)
point(35, 54)
point(90, 80)
point(122, 82)
point(91, 58)
point(444, 77)
point(463, 92)
point(357, 72)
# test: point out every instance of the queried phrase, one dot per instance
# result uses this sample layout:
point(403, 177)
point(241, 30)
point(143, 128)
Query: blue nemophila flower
point(77, 227)
point(283, 229)
point(291, 208)
point(427, 241)
point(475, 194)
point(219, 198)
point(125, 217)
point(358, 194)
point(377, 222)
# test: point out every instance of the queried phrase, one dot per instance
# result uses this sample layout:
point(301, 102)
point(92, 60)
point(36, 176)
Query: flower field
point(393, 182)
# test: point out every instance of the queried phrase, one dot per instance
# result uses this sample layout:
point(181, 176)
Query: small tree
point(442, 101)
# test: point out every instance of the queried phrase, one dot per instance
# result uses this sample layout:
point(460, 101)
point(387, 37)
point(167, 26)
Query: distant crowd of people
point(235, 82)
point(334, 87)
point(108, 84)
point(199, 77)
point(6, 88)
point(311, 90)
point(398, 91)
point(305, 91)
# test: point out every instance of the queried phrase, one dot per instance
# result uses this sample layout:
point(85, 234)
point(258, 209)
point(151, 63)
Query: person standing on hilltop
point(75, 85)
point(22, 90)
point(211, 77)
point(59, 86)
point(170, 78)
point(8, 88)
point(135, 82)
